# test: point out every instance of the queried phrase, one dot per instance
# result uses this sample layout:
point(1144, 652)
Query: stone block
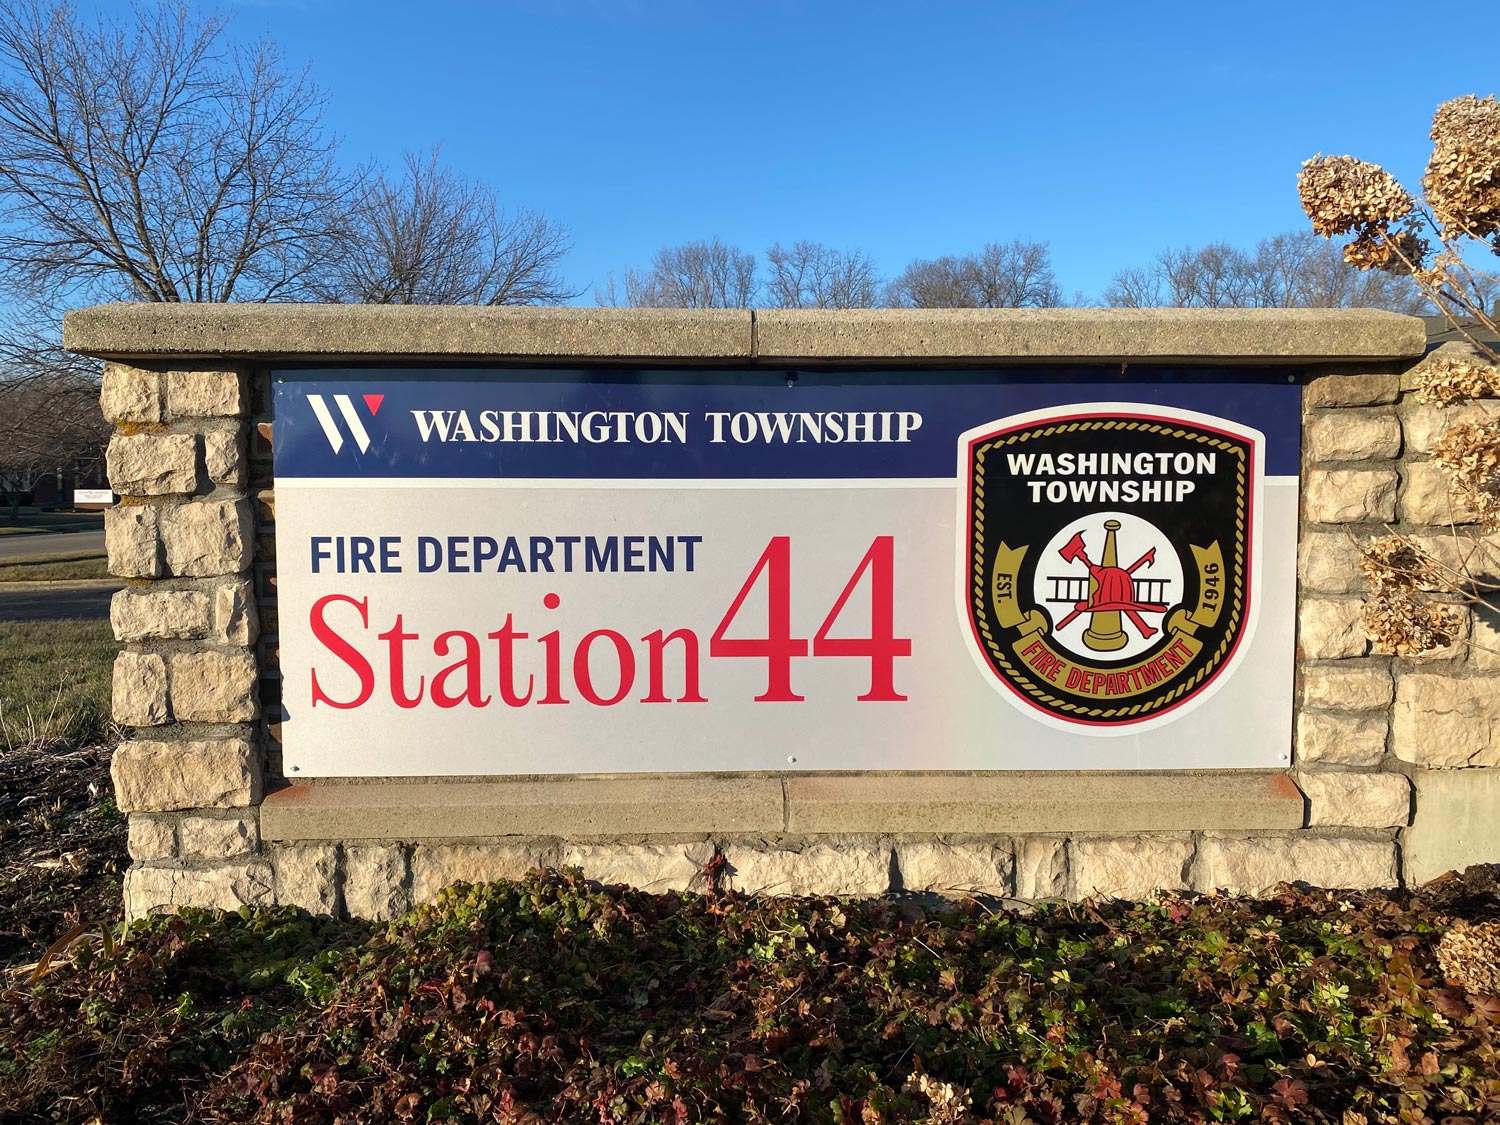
point(150, 838)
point(854, 868)
point(1130, 867)
point(227, 886)
point(224, 457)
point(1424, 497)
point(132, 541)
point(163, 776)
point(1328, 563)
point(1423, 426)
point(213, 686)
point(207, 538)
point(1351, 390)
point(235, 619)
point(1347, 686)
point(129, 394)
point(307, 877)
point(205, 394)
point(1351, 435)
point(152, 464)
point(1256, 865)
point(1484, 640)
point(377, 882)
point(1344, 740)
point(1444, 722)
point(939, 867)
point(139, 690)
point(1041, 867)
point(1456, 823)
point(649, 867)
point(159, 615)
point(1349, 495)
point(1329, 629)
point(218, 837)
point(1356, 800)
point(435, 866)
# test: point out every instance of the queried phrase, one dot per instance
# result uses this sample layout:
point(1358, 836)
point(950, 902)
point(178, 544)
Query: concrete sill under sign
point(917, 804)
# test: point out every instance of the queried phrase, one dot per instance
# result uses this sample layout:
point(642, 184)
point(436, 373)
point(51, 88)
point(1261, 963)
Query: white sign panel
point(540, 572)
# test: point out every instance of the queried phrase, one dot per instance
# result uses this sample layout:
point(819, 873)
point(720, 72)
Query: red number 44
point(778, 646)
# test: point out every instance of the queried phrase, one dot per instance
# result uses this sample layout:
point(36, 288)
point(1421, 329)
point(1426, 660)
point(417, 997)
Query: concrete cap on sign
point(1043, 802)
point(1075, 335)
point(728, 336)
point(573, 807)
point(924, 804)
point(310, 332)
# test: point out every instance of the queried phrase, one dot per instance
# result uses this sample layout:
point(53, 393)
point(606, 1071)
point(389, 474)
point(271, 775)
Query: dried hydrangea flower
point(1462, 183)
point(1342, 195)
point(1469, 453)
point(1444, 381)
point(949, 1105)
point(1395, 563)
point(1407, 623)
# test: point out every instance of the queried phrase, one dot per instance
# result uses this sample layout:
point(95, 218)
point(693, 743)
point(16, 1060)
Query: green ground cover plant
point(55, 569)
point(553, 1000)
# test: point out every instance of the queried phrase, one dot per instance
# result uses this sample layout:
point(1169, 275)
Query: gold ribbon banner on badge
point(1052, 666)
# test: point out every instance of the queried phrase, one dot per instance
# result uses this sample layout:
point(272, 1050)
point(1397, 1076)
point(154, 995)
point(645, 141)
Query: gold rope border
point(979, 588)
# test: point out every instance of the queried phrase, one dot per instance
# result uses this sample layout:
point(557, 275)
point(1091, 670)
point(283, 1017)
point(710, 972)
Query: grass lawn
point(52, 569)
point(62, 842)
point(55, 682)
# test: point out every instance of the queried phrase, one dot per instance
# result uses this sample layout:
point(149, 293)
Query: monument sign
point(631, 570)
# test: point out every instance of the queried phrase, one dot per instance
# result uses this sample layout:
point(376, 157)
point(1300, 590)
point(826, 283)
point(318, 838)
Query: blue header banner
point(686, 425)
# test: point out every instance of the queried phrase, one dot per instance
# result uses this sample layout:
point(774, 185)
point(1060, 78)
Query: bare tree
point(49, 419)
point(433, 237)
point(1003, 275)
point(810, 275)
point(1293, 270)
point(152, 160)
point(694, 275)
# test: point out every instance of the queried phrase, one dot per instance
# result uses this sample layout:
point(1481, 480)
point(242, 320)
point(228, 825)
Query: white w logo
point(330, 427)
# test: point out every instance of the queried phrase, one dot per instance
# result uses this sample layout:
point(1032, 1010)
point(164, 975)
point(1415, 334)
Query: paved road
point(50, 543)
point(50, 605)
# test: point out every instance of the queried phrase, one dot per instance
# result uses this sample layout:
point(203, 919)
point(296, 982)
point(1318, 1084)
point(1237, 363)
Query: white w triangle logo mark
point(330, 427)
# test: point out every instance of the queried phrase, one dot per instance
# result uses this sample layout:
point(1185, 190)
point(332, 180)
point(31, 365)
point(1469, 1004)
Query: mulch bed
point(63, 844)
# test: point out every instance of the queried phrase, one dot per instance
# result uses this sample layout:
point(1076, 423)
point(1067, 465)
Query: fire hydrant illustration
point(1111, 594)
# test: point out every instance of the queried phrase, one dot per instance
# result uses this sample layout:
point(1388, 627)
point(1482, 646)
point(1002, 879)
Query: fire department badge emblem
point(1109, 558)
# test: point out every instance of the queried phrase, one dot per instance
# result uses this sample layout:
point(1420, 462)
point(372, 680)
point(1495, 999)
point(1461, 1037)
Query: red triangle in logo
point(373, 402)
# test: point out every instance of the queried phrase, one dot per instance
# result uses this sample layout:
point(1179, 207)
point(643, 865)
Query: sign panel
point(534, 572)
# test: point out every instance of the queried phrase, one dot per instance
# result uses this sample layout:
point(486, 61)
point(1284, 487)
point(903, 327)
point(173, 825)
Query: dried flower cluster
point(1399, 614)
point(1462, 183)
point(1469, 453)
point(1445, 381)
point(949, 1106)
point(1470, 955)
point(1343, 195)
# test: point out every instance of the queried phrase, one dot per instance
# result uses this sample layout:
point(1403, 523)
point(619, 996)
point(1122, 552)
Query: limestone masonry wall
point(1396, 773)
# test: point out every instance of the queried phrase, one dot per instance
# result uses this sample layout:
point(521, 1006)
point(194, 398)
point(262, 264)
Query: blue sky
point(1112, 130)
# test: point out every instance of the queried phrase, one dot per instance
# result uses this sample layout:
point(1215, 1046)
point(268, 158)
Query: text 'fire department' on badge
point(1109, 558)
